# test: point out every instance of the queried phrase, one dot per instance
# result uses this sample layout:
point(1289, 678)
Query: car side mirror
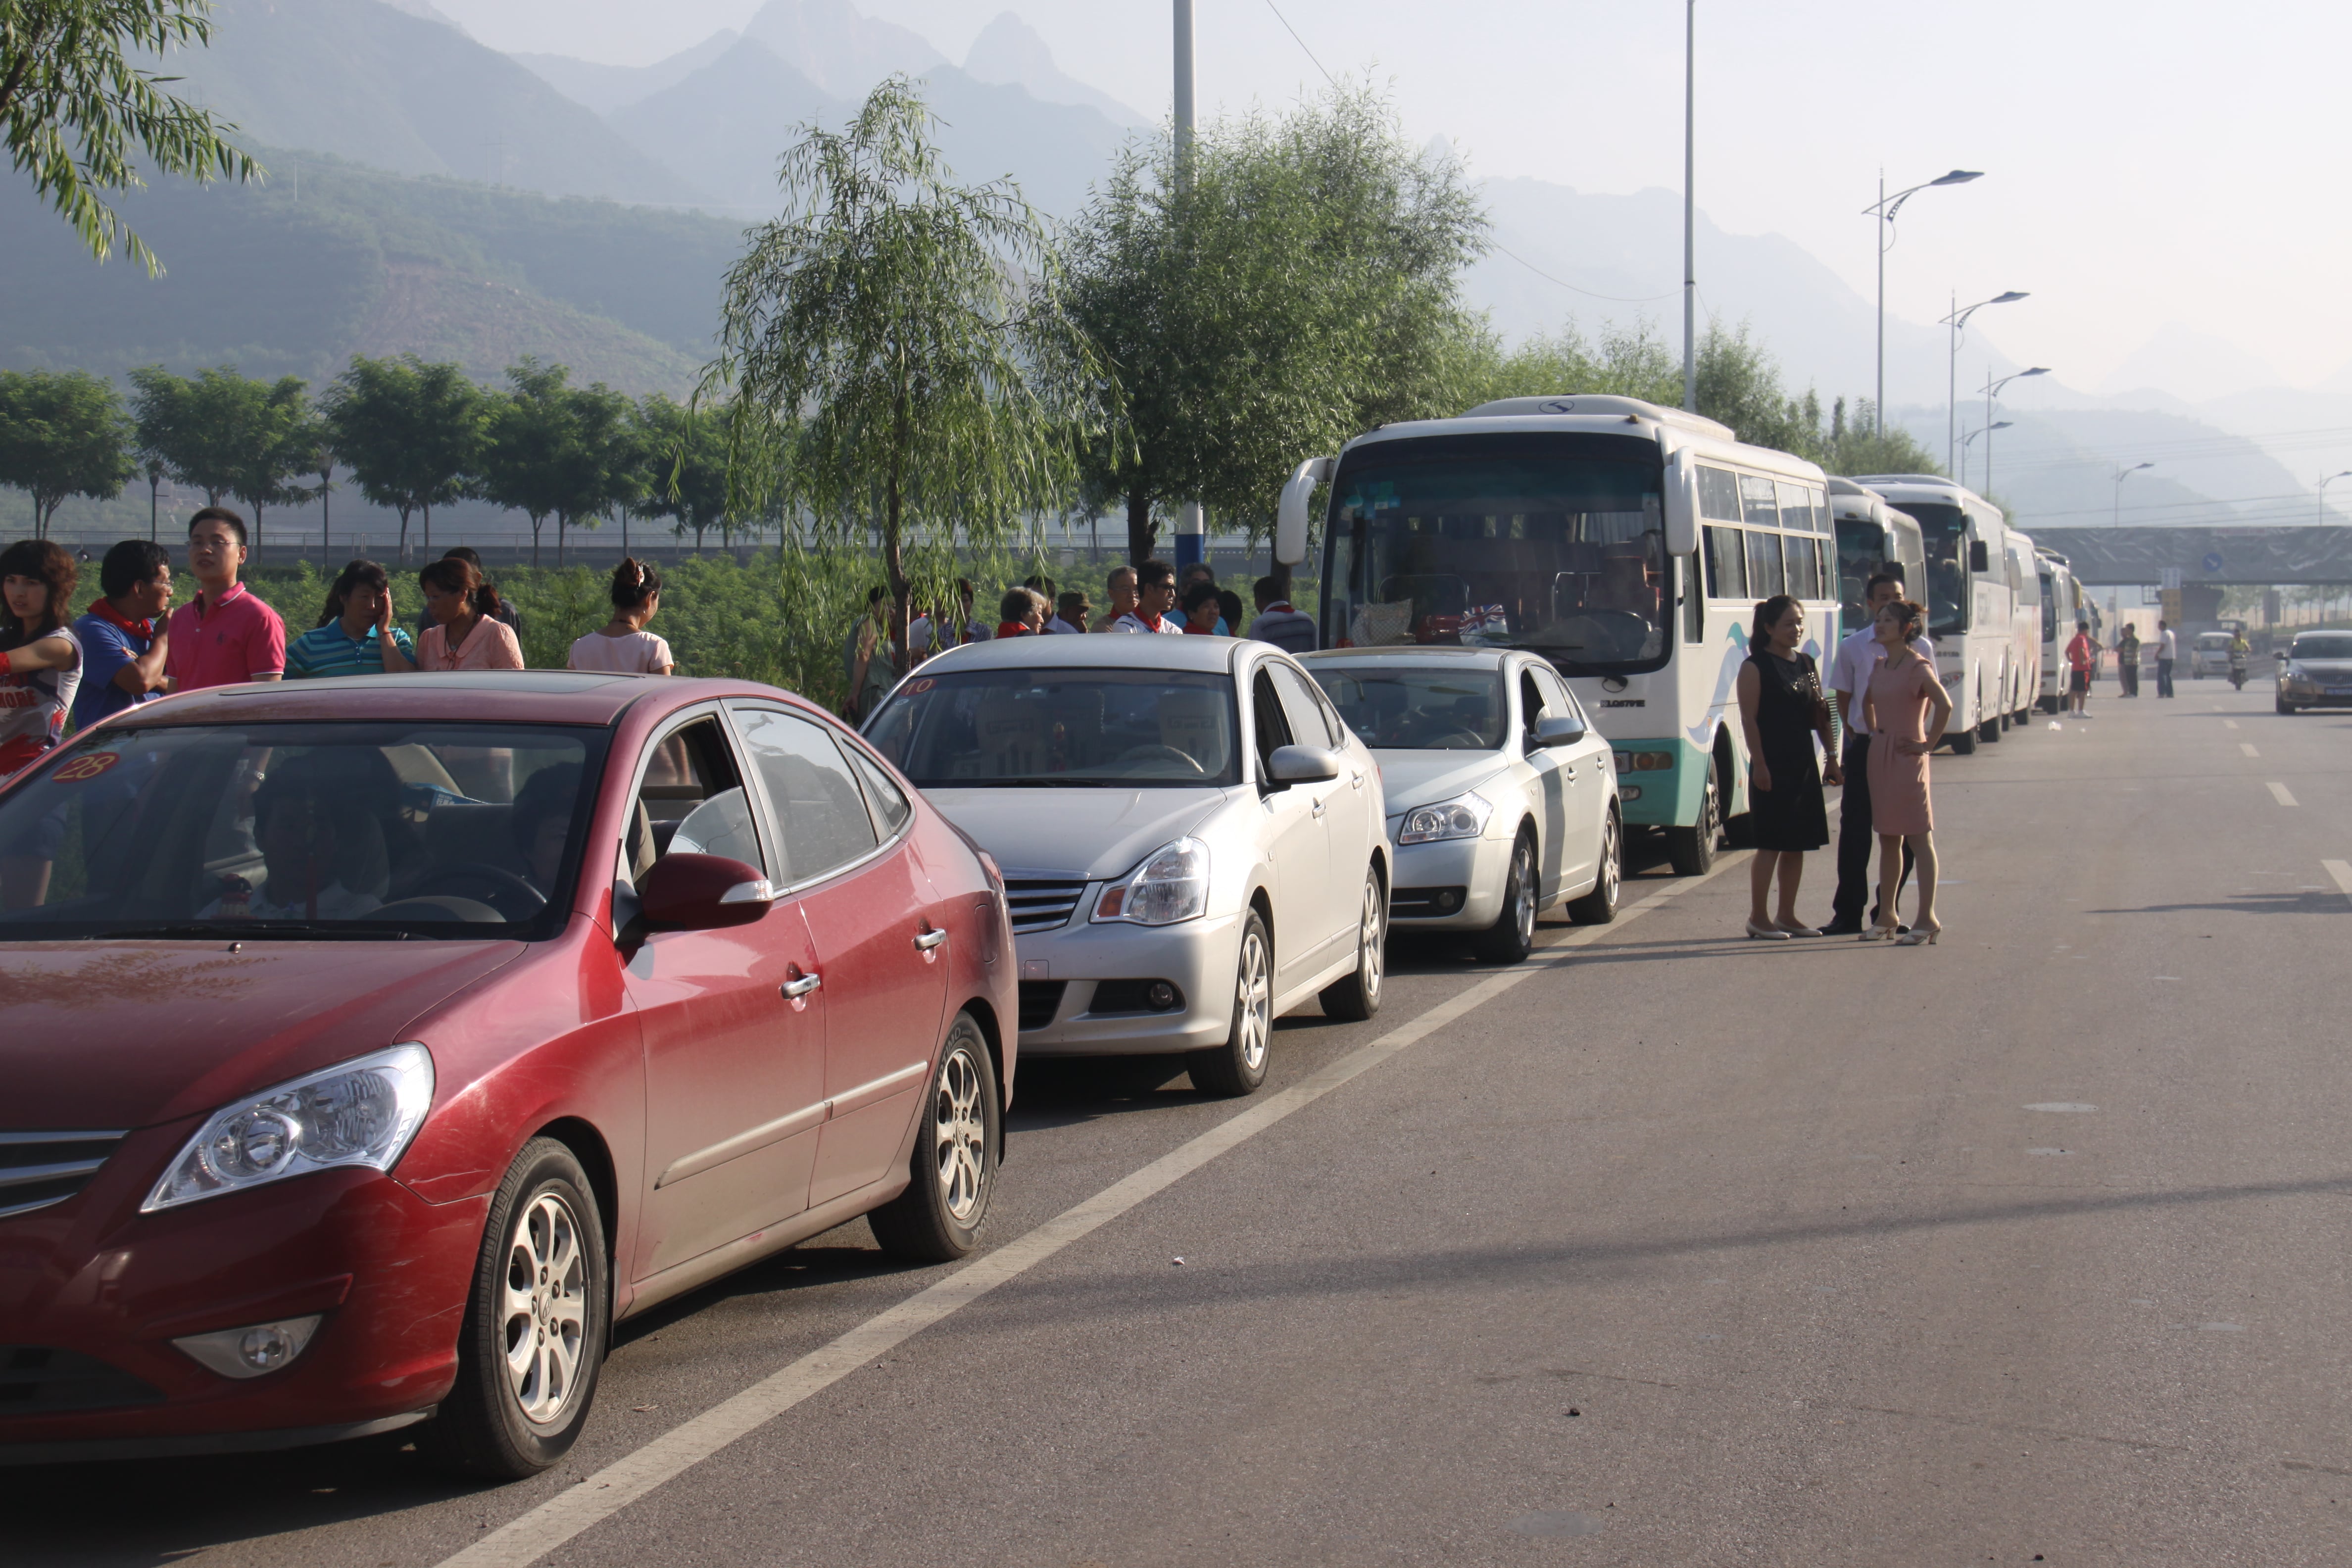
point(2279, 654)
point(1558, 730)
point(1301, 764)
point(702, 892)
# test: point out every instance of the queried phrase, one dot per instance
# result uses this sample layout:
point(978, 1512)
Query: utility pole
point(1192, 541)
point(1690, 207)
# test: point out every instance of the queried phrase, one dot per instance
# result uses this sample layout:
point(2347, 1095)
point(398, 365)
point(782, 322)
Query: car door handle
point(1567, 772)
point(926, 940)
point(1355, 781)
point(1319, 809)
point(794, 990)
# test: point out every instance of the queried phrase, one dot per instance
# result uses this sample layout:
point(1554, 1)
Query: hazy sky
point(2147, 166)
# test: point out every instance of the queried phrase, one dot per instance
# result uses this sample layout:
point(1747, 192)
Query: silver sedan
point(1502, 798)
point(1190, 840)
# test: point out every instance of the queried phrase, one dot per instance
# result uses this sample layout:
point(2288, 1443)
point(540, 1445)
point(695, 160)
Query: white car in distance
point(1502, 799)
point(1190, 840)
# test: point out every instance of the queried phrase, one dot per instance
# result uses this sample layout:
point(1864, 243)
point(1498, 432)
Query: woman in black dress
point(1781, 711)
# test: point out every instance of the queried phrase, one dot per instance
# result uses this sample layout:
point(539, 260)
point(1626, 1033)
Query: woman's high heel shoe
point(1878, 934)
point(1918, 934)
point(1766, 933)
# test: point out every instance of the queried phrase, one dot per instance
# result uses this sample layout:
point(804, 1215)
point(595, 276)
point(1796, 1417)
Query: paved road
point(1668, 1249)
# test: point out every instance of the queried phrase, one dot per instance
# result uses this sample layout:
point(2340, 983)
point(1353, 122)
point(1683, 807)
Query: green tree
point(556, 451)
point(80, 116)
point(686, 468)
point(901, 341)
point(1296, 283)
point(409, 434)
point(1856, 445)
point(263, 428)
point(62, 433)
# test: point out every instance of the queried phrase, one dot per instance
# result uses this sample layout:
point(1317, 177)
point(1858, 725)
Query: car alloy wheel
point(543, 1308)
point(959, 1130)
point(1599, 907)
point(1513, 935)
point(1238, 1066)
point(1358, 996)
point(951, 1174)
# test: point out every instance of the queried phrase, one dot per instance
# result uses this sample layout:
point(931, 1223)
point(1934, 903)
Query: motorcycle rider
point(2238, 649)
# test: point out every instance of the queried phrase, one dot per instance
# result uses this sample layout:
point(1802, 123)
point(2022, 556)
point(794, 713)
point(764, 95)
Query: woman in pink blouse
point(466, 633)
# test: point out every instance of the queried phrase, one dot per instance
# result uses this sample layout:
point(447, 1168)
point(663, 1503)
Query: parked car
point(378, 1043)
point(2315, 672)
point(1191, 838)
point(1503, 800)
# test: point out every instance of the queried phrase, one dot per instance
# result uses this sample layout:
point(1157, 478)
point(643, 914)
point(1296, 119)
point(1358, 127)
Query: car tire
point(938, 1219)
point(1513, 935)
point(1357, 998)
point(1691, 850)
point(542, 1272)
point(1599, 907)
point(2289, 708)
point(1238, 1067)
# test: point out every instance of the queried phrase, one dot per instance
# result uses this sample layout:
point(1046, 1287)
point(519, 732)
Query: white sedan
point(1502, 798)
point(1190, 840)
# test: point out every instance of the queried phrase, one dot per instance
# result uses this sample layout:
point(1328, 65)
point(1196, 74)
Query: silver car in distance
point(1502, 798)
point(1191, 841)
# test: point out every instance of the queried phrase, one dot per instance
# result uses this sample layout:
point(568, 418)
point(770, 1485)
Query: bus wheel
point(1964, 742)
point(1691, 850)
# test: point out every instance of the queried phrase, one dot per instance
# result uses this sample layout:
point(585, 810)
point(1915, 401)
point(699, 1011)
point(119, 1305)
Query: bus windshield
point(1551, 543)
point(1862, 553)
point(1944, 530)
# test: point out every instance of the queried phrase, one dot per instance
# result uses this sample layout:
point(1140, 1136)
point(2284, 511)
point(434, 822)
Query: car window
point(690, 800)
point(1531, 704)
point(1558, 700)
point(1113, 729)
point(891, 807)
point(1300, 708)
point(1401, 707)
point(818, 811)
point(1271, 729)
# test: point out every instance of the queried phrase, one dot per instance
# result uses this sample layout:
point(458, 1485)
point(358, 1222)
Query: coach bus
point(1628, 544)
point(1871, 537)
point(1971, 615)
point(2062, 605)
point(2026, 663)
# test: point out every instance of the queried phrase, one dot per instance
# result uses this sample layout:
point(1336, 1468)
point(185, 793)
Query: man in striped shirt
point(355, 636)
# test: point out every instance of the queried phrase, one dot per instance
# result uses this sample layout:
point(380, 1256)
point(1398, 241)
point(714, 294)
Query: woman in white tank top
point(622, 645)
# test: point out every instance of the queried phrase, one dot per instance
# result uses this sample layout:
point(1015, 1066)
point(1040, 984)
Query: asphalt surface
point(2029, 1247)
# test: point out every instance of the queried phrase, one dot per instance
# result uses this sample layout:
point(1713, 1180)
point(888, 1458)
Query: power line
point(1299, 41)
point(1617, 299)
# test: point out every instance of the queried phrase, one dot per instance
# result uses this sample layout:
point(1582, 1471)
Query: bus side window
point(1727, 564)
point(1694, 594)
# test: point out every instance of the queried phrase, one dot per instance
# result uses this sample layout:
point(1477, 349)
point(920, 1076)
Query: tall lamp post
point(2122, 474)
point(1885, 210)
point(1990, 387)
point(1192, 526)
point(1690, 167)
point(1970, 440)
point(2330, 480)
point(1957, 321)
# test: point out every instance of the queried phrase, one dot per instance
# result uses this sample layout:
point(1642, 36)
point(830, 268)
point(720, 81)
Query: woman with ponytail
point(466, 633)
point(1782, 711)
point(622, 645)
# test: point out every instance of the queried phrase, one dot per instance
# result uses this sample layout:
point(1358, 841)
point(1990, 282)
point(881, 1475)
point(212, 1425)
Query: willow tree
point(901, 341)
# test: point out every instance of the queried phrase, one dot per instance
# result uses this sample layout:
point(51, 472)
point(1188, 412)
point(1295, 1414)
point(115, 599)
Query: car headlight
point(1172, 885)
point(362, 1113)
point(1464, 817)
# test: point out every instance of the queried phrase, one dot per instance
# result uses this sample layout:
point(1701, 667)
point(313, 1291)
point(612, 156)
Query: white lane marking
point(2071, 1106)
point(2248, 747)
point(2342, 871)
point(2229, 723)
point(634, 1475)
point(2279, 793)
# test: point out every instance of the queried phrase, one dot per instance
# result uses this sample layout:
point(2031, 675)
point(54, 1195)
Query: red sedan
point(373, 1045)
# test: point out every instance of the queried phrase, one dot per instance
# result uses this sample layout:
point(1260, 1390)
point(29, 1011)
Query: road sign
point(2213, 560)
point(2171, 584)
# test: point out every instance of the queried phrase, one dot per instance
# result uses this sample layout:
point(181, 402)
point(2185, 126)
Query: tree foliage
point(225, 434)
point(410, 431)
point(1296, 283)
point(62, 433)
point(902, 344)
point(79, 115)
point(552, 449)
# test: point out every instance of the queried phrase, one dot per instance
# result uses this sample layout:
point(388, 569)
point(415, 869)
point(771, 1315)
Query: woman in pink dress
point(466, 633)
point(1903, 691)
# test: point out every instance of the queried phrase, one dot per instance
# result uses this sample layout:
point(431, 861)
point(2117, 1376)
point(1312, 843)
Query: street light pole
point(1690, 175)
point(1970, 440)
point(2122, 474)
point(2330, 480)
point(1884, 210)
point(1957, 322)
point(1191, 529)
point(1990, 387)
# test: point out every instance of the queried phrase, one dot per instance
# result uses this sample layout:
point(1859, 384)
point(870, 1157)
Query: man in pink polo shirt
point(223, 636)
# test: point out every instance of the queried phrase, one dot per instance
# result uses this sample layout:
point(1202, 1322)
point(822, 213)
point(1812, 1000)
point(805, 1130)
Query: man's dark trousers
point(1857, 851)
point(2164, 678)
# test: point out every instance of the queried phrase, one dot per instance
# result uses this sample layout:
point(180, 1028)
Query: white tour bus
point(1971, 614)
point(2062, 605)
point(1871, 537)
point(2027, 665)
point(1574, 526)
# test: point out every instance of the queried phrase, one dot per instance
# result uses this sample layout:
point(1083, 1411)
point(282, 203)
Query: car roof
point(1099, 650)
point(526, 696)
point(1486, 658)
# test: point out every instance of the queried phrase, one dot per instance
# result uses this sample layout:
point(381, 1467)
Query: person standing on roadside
point(2128, 660)
point(873, 658)
point(507, 613)
point(40, 665)
point(2168, 648)
point(1071, 613)
point(1205, 615)
point(223, 636)
point(123, 643)
point(1897, 704)
point(1277, 622)
point(1155, 595)
point(354, 635)
point(2079, 655)
point(466, 633)
point(1858, 653)
point(622, 645)
point(1781, 711)
point(1196, 576)
point(1021, 612)
point(1119, 592)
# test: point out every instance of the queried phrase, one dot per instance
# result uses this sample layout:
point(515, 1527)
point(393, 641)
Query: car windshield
point(1061, 727)
point(1401, 709)
point(2214, 641)
point(2322, 647)
point(367, 831)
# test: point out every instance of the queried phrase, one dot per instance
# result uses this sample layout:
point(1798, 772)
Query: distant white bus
point(2027, 661)
point(2061, 606)
point(1871, 538)
point(1971, 600)
point(1627, 543)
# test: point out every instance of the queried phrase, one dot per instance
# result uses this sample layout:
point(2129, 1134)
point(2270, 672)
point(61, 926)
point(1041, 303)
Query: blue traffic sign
point(2213, 560)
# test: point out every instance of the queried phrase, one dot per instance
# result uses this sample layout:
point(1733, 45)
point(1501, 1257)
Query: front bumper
point(2311, 694)
point(92, 1281)
point(1479, 867)
point(1061, 968)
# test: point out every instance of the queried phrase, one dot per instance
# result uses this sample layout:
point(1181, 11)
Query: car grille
point(1040, 1000)
point(34, 1379)
point(1041, 906)
point(37, 1169)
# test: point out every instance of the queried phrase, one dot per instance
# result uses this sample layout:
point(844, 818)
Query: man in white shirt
point(1155, 595)
point(2168, 648)
point(1858, 654)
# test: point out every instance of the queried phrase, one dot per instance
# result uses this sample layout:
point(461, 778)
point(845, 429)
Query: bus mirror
point(1290, 515)
point(1682, 505)
point(1980, 556)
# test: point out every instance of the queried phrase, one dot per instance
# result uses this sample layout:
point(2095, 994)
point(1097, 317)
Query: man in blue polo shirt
point(121, 637)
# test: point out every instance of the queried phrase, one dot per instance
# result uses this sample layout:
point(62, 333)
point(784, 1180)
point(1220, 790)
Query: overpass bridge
point(2223, 555)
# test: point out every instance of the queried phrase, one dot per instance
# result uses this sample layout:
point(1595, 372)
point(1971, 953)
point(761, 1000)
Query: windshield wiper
point(241, 930)
point(1048, 782)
